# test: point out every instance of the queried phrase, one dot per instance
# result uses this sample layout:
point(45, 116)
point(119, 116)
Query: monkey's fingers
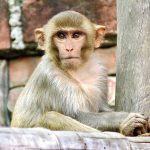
point(126, 127)
point(137, 131)
point(140, 125)
point(132, 122)
point(135, 119)
point(132, 116)
point(137, 115)
point(141, 120)
point(141, 116)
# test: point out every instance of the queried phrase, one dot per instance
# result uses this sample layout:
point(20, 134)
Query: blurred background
point(18, 51)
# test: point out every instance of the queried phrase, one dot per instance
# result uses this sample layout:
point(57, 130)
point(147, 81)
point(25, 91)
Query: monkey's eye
point(61, 35)
point(76, 35)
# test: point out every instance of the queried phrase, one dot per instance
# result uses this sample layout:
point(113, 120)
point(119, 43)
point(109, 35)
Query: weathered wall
point(18, 53)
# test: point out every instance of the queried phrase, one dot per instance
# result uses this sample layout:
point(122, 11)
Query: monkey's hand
point(134, 124)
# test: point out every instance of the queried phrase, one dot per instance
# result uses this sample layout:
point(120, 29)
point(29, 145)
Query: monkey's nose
point(68, 45)
point(69, 50)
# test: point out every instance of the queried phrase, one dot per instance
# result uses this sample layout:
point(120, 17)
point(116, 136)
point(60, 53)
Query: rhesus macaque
point(68, 89)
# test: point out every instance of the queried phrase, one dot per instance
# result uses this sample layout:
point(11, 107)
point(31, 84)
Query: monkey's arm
point(105, 121)
point(56, 121)
point(122, 122)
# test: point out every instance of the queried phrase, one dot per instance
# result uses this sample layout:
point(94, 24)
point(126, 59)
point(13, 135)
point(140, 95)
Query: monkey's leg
point(56, 121)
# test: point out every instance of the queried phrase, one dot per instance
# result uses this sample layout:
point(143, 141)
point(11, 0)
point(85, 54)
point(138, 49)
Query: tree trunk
point(133, 55)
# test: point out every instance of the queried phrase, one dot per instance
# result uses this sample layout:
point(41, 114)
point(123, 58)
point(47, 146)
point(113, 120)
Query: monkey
point(68, 88)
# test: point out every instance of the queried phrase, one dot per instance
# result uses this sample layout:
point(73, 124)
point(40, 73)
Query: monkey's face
point(69, 39)
point(70, 42)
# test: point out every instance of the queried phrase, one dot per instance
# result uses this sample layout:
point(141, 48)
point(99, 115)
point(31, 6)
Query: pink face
point(69, 43)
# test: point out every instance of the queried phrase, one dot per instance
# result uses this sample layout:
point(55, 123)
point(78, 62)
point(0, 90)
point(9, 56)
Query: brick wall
point(18, 53)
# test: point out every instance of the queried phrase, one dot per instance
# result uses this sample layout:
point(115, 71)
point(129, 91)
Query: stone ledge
point(40, 138)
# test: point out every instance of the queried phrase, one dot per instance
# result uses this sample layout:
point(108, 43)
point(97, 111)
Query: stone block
point(4, 119)
point(13, 96)
point(105, 11)
point(108, 57)
point(37, 12)
point(4, 26)
point(20, 70)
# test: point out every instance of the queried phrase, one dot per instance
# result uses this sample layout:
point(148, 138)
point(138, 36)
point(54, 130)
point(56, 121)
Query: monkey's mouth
point(68, 58)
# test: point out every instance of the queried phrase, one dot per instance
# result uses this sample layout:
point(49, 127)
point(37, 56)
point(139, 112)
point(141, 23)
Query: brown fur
point(50, 89)
point(54, 96)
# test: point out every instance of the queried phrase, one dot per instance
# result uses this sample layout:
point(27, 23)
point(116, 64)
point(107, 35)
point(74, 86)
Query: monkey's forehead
point(67, 22)
point(69, 15)
point(69, 19)
point(70, 25)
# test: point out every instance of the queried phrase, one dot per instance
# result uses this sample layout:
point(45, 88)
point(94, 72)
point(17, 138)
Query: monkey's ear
point(39, 37)
point(100, 31)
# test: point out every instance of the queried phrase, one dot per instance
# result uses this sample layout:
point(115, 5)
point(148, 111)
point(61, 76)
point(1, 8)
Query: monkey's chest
point(79, 95)
point(90, 85)
point(89, 82)
point(91, 89)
